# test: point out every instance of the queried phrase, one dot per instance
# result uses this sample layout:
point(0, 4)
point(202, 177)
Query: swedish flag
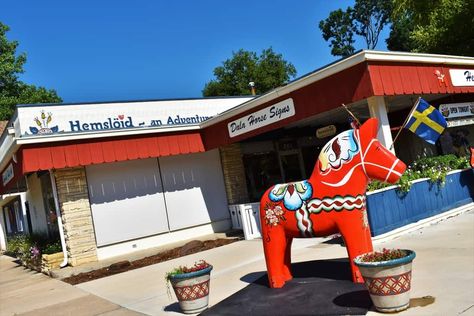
point(426, 121)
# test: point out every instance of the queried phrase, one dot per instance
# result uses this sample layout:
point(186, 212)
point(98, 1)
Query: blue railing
point(389, 209)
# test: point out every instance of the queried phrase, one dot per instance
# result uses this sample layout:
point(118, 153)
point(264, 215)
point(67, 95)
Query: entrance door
point(291, 164)
point(13, 217)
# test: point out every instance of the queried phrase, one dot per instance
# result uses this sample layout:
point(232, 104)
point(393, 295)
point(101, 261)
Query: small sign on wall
point(462, 77)
point(454, 110)
point(274, 113)
point(326, 131)
point(8, 174)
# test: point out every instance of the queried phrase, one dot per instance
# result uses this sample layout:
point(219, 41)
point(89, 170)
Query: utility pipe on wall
point(59, 218)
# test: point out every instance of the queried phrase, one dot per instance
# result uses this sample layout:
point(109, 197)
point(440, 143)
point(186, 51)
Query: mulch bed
point(123, 266)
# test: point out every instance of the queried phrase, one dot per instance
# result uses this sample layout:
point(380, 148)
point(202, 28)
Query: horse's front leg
point(356, 234)
point(277, 255)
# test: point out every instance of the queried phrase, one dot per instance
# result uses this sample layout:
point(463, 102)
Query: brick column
point(76, 215)
point(234, 174)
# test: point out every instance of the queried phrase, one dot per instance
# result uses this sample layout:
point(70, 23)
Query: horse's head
point(357, 153)
point(377, 161)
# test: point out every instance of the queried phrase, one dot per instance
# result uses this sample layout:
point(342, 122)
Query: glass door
point(49, 205)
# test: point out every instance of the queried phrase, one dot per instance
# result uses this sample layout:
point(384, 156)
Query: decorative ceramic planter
point(192, 290)
point(388, 282)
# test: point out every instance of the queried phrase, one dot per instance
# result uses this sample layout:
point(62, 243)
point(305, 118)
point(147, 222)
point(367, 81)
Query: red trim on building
point(350, 85)
point(57, 156)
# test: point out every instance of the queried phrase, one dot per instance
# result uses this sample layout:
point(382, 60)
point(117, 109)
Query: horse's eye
point(377, 148)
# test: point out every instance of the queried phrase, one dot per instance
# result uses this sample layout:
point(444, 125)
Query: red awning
point(57, 156)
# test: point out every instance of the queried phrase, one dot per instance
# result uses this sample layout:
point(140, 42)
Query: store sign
point(461, 122)
point(264, 117)
point(80, 118)
point(8, 174)
point(462, 77)
point(326, 131)
point(455, 110)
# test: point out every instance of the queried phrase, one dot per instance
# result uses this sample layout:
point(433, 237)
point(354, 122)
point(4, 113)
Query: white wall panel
point(194, 189)
point(127, 200)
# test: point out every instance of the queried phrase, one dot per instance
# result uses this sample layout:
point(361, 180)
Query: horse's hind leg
point(275, 246)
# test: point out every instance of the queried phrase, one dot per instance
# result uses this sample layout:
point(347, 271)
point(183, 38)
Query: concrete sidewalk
point(443, 271)
point(443, 276)
point(25, 292)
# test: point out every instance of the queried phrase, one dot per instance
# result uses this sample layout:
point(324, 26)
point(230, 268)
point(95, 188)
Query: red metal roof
point(400, 78)
point(57, 156)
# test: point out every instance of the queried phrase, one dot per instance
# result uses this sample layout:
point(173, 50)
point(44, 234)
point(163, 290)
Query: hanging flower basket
point(191, 286)
point(387, 276)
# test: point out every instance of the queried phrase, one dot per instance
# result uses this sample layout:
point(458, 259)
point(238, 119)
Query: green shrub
point(29, 248)
point(433, 168)
point(52, 248)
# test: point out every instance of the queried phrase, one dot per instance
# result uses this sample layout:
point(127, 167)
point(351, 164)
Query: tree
point(338, 27)
point(267, 71)
point(12, 90)
point(366, 19)
point(438, 26)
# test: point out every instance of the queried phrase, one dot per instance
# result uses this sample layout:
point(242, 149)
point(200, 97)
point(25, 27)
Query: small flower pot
point(388, 282)
point(192, 290)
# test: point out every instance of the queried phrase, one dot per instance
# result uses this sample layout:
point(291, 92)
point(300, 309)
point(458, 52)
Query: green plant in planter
point(29, 248)
point(433, 168)
point(384, 255)
point(198, 265)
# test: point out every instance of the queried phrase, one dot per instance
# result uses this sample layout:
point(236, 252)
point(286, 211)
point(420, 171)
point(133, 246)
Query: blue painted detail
point(390, 263)
point(34, 130)
point(388, 210)
point(191, 274)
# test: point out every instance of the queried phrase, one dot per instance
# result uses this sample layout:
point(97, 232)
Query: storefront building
point(127, 176)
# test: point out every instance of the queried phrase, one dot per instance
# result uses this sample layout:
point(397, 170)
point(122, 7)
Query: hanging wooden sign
point(326, 131)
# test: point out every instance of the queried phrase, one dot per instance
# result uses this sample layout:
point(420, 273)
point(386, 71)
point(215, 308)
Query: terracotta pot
point(388, 282)
point(192, 290)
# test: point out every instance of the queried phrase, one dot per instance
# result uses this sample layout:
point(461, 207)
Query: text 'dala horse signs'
point(332, 200)
point(261, 118)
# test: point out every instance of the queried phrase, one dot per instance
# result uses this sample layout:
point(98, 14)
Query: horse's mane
point(338, 151)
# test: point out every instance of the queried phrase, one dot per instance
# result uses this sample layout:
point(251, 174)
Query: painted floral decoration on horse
point(293, 194)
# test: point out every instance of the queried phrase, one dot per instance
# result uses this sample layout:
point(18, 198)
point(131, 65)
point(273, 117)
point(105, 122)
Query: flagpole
point(406, 121)
point(350, 113)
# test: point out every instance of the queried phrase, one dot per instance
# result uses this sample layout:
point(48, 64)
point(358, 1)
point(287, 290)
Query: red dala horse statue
point(332, 200)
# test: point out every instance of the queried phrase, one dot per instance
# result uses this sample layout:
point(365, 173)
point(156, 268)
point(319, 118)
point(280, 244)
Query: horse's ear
point(368, 130)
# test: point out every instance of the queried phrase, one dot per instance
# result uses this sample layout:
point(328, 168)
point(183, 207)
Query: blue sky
point(108, 50)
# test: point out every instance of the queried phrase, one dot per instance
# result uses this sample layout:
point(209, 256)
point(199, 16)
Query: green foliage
point(29, 248)
point(267, 71)
point(338, 28)
point(366, 19)
point(439, 26)
point(53, 247)
point(12, 90)
point(433, 168)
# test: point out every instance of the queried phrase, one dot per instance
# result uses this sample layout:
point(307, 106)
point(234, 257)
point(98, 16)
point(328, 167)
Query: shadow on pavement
point(321, 287)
